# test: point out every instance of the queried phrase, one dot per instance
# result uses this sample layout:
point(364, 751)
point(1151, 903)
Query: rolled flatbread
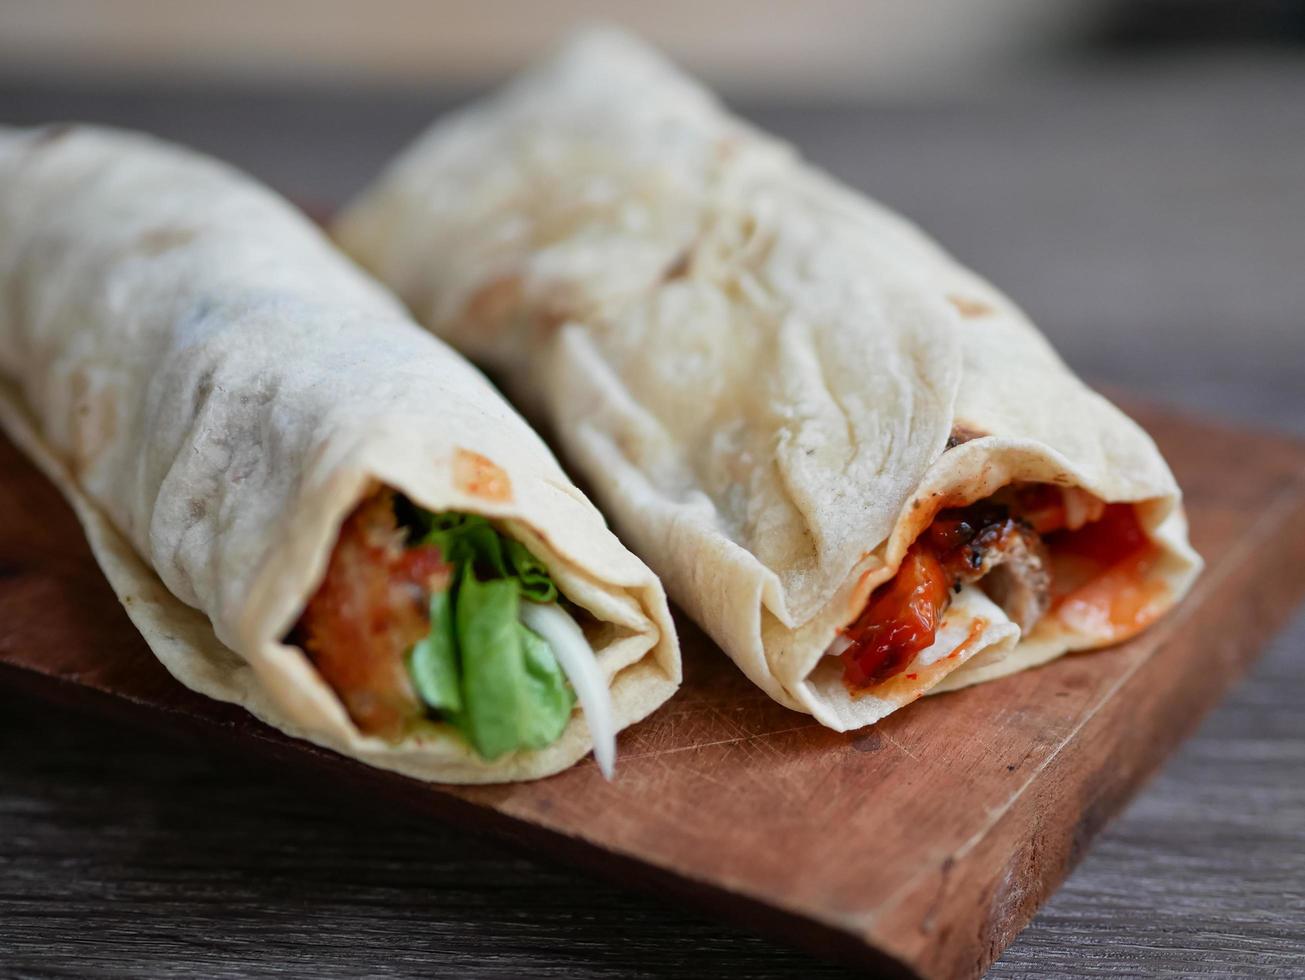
point(308, 505)
point(856, 464)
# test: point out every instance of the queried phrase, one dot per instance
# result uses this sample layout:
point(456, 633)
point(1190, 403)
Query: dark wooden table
point(1150, 216)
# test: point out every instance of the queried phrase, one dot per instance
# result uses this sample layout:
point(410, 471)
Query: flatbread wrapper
point(769, 382)
point(213, 387)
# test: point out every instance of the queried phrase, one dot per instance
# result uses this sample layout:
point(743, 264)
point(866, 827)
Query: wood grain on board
point(919, 846)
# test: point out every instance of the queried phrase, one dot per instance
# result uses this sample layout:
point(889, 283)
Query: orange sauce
point(976, 633)
point(899, 621)
point(1103, 586)
point(478, 476)
point(903, 688)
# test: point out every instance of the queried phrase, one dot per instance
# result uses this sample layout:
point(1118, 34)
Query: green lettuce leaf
point(433, 662)
point(515, 695)
point(547, 691)
point(532, 576)
point(479, 667)
point(470, 539)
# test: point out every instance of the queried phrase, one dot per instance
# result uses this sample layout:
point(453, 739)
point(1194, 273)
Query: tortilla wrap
point(758, 371)
point(214, 388)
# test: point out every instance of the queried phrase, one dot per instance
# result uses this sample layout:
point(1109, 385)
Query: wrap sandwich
point(854, 462)
point(308, 505)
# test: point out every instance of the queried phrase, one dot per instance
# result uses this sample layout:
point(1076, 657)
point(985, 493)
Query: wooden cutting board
point(920, 846)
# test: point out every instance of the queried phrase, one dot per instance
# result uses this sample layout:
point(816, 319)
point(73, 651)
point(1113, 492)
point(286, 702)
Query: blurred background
point(1131, 171)
point(817, 49)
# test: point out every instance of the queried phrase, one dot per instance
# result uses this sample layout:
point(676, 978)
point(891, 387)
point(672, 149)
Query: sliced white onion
point(837, 645)
point(1081, 507)
point(576, 656)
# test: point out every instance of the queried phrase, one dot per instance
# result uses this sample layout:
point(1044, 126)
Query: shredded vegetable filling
point(424, 616)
